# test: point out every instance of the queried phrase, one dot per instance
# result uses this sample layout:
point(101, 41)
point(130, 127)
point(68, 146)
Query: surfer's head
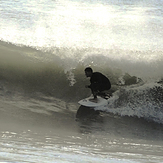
point(88, 72)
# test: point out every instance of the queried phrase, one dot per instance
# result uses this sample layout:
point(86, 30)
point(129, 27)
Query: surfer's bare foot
point(93, 100)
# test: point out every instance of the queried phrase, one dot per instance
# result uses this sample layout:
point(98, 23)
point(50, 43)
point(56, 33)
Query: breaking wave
point(55, 73)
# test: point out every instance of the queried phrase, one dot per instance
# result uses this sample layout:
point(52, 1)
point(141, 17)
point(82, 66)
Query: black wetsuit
point(99, 82)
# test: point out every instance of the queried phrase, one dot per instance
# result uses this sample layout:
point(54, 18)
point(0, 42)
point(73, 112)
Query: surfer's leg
point(94, 94)
point(94, 90)
point(103, 91)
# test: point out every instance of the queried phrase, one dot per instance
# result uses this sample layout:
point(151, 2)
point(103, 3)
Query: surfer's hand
point(87, 86)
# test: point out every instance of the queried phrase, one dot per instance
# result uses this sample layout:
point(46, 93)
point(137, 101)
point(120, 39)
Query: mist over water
point(126, 35)
point(122, 37)
point(129, 25)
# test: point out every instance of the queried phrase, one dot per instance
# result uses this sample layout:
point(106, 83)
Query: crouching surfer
point(99, 83)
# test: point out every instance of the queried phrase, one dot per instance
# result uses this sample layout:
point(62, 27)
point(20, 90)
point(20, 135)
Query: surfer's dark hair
point(88, 69)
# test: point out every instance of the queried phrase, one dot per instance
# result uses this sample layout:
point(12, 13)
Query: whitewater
point(45, 46)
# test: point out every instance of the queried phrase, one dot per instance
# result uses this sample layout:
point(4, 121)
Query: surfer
point(99, 82)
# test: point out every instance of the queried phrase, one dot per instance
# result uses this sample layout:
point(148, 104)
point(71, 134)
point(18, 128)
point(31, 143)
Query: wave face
point(45, 47)
point(24, 69)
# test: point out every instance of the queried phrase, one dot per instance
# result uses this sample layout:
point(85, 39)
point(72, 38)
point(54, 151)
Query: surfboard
point(100, 102)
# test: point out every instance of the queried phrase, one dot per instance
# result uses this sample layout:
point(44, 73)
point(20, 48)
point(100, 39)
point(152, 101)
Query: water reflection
point(97, 122)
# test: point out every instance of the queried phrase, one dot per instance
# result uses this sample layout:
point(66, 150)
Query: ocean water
point(45, 46)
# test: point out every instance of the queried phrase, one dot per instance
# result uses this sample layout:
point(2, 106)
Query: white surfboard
point(100, 102)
